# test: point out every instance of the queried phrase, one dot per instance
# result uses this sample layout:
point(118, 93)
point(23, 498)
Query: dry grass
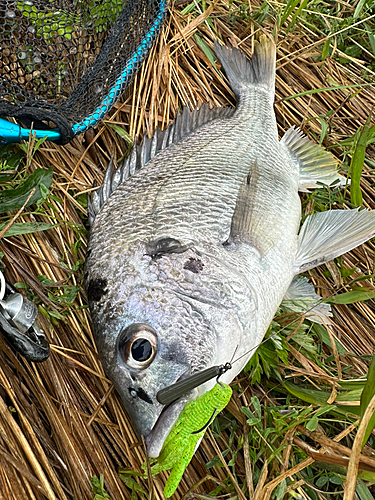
point(60, 421)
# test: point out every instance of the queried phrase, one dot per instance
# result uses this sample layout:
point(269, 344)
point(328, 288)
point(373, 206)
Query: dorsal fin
point(184, 124)
point(315, 163)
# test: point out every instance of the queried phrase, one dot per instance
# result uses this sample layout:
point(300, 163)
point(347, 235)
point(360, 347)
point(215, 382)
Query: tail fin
point(242, 72)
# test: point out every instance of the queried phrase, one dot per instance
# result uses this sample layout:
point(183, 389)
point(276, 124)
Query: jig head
point(182, 387)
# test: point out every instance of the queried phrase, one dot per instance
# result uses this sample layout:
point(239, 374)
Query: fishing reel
point(19, 326)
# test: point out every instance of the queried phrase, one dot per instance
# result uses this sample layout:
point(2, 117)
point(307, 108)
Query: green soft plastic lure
point(178, 449)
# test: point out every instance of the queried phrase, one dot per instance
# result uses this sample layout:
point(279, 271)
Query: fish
point(195, 240)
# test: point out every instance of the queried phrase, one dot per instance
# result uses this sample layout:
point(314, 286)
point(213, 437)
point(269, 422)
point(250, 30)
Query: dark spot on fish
point(96, 289)
point(144, 396)
point(88, 253)
point(194, 265)
point(248, 179)
point(141, 394)
point(158, 248)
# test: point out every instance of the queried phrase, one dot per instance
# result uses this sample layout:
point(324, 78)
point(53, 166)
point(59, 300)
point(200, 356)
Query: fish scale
point(177, 188)
point(194, 243)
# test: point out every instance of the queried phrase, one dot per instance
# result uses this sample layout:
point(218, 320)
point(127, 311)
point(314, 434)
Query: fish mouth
point(165, 422)
point(163, 426)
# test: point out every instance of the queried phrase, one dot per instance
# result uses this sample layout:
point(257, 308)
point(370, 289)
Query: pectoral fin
point(315, 164)
point(250, 221)
point(239, 230)
point(249, 224)
point(327, 235)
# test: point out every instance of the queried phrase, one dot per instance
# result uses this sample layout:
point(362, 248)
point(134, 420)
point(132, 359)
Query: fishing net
point(64, 63)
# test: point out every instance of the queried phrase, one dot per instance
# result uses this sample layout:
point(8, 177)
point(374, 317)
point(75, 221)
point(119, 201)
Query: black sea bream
point(195, 241)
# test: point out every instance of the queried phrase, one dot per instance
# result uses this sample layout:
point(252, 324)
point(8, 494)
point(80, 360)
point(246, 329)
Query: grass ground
point(291, 429)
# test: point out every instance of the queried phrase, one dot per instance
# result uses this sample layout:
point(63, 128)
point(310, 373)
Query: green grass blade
point(325, 50)
point(371, 135)
point(290, 6)
point(359, 9)
point(367, 394)
point(310, 396)
point(25, 228)
point(319, 398)
point(296, 14)
point(206, 49)
point(366, 475)
point(325, 338)
point(121, 132)
point(98, 488)
point(352, 395)
point(325, 89)
point(356, 165)
point(371, 37)
point(189, 8)
point(13, 199)
point(362, 491)
point(353, 384)
point(350, 297)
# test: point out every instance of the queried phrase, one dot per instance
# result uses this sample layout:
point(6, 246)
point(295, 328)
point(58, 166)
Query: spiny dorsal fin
point(184, 124)
point(315, 163)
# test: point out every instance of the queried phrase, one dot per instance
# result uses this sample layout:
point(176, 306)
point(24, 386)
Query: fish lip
point(163, 426)
point(167, 418)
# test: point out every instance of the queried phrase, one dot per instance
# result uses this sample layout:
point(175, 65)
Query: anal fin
point(301, 298)
point(315, 164)
point(327, 235)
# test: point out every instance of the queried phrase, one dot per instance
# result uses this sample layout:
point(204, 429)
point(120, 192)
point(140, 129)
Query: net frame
point(60, 68)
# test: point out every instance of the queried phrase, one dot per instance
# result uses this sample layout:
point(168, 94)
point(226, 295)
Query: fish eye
point(138, 345)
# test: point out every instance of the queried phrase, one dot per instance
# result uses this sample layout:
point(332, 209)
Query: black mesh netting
point(67, 61)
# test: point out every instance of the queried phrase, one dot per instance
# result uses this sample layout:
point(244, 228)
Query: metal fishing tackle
point(19, 326)
point(175, 391)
